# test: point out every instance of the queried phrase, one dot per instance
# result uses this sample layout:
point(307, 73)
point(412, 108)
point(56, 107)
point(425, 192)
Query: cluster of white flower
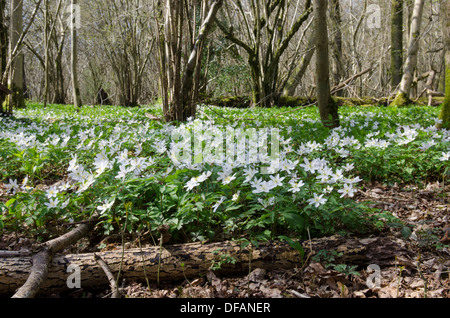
point(237, 151)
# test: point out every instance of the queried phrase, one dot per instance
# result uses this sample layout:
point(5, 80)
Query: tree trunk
point(177, 81)
point(178, 262)
point(396, 42)
point(74, 57)
point(445, 111)
point(301, 68)
point(194, 60)
point(3, 49)
point(16, 99)
point(327, 106)
point(46, 52)
point(403, 95)
point(338, 70)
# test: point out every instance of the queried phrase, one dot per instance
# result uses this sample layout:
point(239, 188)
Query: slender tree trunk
point(16, 99)
point(177, 81)
point(3, 37)
point(338, 70)
point(403, 95)
point(46, 52)
point(396, 42)
point(74, 59)
point(3, 48)
point(301, 68)
point(445, 111)
point(327, 106)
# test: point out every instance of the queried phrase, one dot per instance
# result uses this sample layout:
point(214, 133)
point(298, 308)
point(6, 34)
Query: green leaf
point(294, 244)
point(406, 231)
point(10, 202)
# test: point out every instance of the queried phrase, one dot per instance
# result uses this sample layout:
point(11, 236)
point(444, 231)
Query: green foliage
point(376, 144)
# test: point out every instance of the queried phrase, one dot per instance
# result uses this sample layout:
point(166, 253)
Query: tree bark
point(403, 95)
point(301, 68)
point(444, 114)
point(327, 106)
point(339, 69)
point(3, 50)
point(176, 86)
point(16, 99)
point(396, 42)
point(177, 262)
point(74, 58)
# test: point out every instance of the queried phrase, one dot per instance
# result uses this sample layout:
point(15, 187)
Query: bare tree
point(267, 30)
point(176, 86)
point(403, 93)
point(327, 106)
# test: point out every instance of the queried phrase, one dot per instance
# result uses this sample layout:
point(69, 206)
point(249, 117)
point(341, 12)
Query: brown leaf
point(257, 275)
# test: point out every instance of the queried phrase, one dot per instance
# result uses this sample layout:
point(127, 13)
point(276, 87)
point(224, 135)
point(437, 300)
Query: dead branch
point(41, 260)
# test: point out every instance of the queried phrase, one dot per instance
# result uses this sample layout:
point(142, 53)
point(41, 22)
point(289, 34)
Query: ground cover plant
point(60, 166)
point(135, 173)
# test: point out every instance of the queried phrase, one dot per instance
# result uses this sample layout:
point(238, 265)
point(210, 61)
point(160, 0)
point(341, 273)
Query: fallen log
point(177, 262)
point(40, 261)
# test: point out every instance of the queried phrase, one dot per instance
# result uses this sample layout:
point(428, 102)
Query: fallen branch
point(186, 261)
point(42, 259)
point(345, 83)
point(109, 275)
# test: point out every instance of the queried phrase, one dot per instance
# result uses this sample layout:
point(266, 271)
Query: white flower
point(296, 186)
point(53, 203)
point(73, 163)
point(235, 196)
point(65, 204)
point(352, 180)
point(101, 165)
point(65, 186)
point(309, 165)
point(25, 185)
point(52, 192)
point(138, 165)
point(349, 166)
point(215, 206)
point(204, 176)
point(86, 182)
point(277, 181)
point(317, 200)
point(427, 145)
point(226, 180)
point(122, 157)
point(445, 156)
point(347, 190)
point(123, 171)
point(106, 206)
point(191, 184)
point(12, 186)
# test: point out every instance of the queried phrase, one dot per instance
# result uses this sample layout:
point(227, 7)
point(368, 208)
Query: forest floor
point(427, 213)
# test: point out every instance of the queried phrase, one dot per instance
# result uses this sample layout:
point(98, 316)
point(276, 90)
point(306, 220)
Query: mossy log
point(177, 262)
point(292, 101)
